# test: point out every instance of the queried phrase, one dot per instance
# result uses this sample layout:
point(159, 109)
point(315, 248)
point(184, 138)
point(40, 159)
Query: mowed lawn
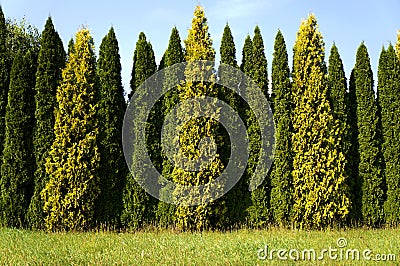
point(243, 247)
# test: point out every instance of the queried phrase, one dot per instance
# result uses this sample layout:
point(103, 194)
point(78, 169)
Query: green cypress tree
point(144, 64)
point(259, 72)
point(369, 169)
point(321, 194)
point(247, 56)
point(259, 210)
point(353, 157)
point(5, 67)
point(198, 47)
point(173, 55)
point(51, 61)
point(137, 204)
point(73, 160)
point(112, 106)
point(281, 177)
point(389, 103)
point(337, 90)
point(18, 162)
point(237, 199)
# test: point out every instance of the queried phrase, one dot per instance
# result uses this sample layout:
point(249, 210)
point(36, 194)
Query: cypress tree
point(247, 56)
point(137, 204)
point(353, 158)
point(18, 162)
point(281, 178)
point(173, 55)
point(320, 183)
point(51, 61)
point(369, 169)
point(144, 64)
point(389, 103)
point(337, 93)
point(237, 199)
point(5, 67)
point(73, 160)
point(259, 210)
point(112, 106)
point(259, 72)
point(198, 47)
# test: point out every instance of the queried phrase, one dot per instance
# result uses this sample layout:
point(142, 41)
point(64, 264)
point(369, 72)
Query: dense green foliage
point(73, 160)
point(137, 204)
point(5, 67)
point(18, 163)
point(370, 160)
point(259, 210)
point(113, 169)
point(389, 104)
point(281, 177)
point(61, 153)
point(51, 60)
point(173, 55)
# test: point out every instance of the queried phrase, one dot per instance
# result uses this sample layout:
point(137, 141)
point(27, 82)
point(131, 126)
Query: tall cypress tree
point(259, 210)
point(237, 199)
point(137, 204)
point(369, 169)
point(353, 156)
point(281, 177)
point(112, 106)
point(198, 47)
point(389, 104)
point(48, 76)
point(173, 55)
point(18, 162)
point(337, 93)
point(5, 67)
point(321, 194)
point(73, 160)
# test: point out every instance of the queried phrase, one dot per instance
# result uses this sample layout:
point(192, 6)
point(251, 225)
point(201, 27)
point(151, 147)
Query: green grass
point(21, 247)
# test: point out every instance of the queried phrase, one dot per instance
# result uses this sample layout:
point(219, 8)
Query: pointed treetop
point(228, 50)
point(196, 50)
point(247, 55)
point(174, 53)
point(309, 39)
point(362, 60)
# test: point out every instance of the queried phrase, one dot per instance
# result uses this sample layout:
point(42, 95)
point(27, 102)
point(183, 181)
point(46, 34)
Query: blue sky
point(346, 23)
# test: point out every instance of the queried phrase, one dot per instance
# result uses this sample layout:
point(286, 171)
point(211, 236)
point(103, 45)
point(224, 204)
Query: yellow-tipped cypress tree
point(320, 183)
point(74, 159)
point(198, 47)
